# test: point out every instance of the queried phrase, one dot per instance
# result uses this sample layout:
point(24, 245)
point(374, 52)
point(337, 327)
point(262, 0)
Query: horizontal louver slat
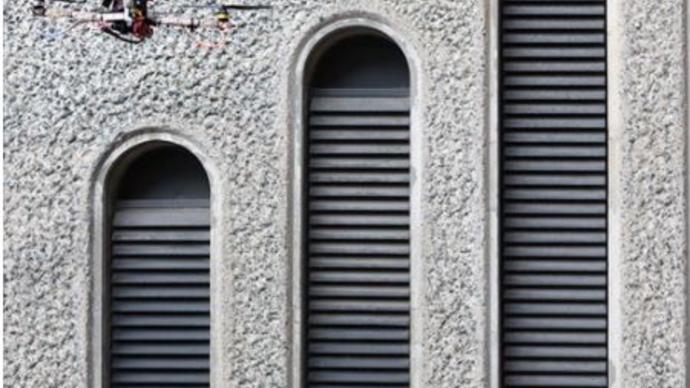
point(360, 377)
point(557, 381)
point(324, 362)
point(156, 217)
point(160, 306)
point(358, 239)
point(553, 193)
point(360, 104)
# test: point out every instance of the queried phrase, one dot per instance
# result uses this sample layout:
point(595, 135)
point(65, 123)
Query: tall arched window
point(357, 215)
point(158, 318)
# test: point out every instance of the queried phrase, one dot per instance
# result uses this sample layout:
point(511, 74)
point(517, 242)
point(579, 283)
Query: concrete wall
point(649, 130)
point(73, 102)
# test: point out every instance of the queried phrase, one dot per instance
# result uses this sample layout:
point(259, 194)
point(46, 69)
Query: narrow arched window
point(159, 320)
point(357, 234)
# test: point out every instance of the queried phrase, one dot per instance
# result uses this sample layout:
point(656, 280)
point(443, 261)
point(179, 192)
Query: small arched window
point(158, 295)
point(357, 212)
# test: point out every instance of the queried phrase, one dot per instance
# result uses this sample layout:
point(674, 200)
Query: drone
point(132, 22)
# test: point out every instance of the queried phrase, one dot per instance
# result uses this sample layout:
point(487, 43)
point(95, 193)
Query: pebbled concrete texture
point(71, 98)
point(653, 180)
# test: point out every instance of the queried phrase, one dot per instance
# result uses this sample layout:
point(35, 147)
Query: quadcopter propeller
point(222, 11)
point(245, 7)
point(39, 6)
point(240, 7)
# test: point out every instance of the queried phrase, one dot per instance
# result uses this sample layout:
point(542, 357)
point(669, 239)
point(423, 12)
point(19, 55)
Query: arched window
point(157, 299)
point(357, 215)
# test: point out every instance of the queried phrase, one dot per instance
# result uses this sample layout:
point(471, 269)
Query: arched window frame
point(107, 171)
point(301, 70)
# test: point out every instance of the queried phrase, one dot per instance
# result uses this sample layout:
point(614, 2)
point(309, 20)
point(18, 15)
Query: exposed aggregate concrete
point(654, 207)
point(68, 102)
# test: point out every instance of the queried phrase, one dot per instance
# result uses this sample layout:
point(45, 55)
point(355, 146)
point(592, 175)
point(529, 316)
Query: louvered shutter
point(358, 238)
point(554, 193)
point(159, 274)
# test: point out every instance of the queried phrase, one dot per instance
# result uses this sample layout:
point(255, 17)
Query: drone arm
point(184, 21)
point(85, 16)
point(110, 17)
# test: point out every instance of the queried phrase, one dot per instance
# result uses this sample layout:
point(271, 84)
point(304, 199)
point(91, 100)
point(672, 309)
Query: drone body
point(130, 20)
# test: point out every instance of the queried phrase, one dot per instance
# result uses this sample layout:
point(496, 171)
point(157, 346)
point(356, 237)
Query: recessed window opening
point(553, 200)
point(357, 212)
point(158, 316)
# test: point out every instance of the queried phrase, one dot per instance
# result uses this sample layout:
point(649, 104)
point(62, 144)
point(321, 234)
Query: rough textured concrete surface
point(70, 98)
point(73, 97)
point(653, 181)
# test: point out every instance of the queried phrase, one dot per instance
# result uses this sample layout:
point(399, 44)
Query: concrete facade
point(649, 76)
point(74, 102)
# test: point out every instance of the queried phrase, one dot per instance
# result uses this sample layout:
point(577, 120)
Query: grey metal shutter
point(358, 238)
point(554, 193)
point(159, 274)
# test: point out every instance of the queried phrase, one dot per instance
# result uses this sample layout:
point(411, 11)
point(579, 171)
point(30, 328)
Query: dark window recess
point(358, 211)
point(553, 194)
point(159, 273)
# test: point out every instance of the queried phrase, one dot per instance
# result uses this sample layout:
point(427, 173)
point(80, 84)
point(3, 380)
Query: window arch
point(356, 209)
point(157, 272)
